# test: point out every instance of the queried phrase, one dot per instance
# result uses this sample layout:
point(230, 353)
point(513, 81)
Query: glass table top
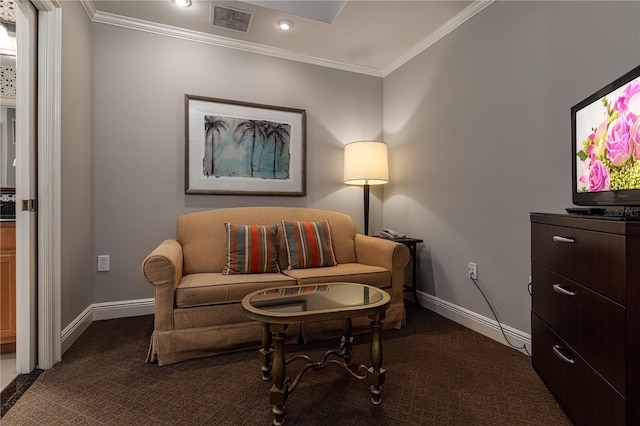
point(312, 300)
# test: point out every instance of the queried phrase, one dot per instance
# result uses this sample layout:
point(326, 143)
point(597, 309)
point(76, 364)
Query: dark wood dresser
point(585, 318)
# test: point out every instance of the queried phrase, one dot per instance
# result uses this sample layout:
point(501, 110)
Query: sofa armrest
point(387, 254)
point(163, 269)
point(380, 252)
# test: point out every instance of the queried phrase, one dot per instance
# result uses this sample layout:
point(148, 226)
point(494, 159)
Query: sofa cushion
point(215, 288)
point(345, 272)
point(308, 244)
point(251, 249)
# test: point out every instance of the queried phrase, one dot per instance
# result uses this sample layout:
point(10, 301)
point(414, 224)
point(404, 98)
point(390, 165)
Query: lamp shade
point(366, 163)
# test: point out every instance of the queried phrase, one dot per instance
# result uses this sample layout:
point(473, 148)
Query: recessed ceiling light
point(285, 25)
point(182, 3)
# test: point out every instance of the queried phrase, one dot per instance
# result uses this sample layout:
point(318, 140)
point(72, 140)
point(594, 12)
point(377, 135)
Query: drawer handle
point(557, 349)
point(559, 239)
point(563, 291)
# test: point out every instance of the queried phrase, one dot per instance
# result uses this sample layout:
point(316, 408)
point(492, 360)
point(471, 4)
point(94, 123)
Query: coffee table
point(279, 307)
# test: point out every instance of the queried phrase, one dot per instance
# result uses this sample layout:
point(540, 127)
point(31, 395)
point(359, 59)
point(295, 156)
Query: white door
point(26, 189)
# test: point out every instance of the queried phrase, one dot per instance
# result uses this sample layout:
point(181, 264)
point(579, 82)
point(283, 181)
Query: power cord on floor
point(498, 320)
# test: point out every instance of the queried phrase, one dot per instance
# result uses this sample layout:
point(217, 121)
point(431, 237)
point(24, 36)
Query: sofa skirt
point(171, 346)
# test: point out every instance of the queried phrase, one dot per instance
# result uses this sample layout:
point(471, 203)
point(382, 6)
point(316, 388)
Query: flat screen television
point(605, 138)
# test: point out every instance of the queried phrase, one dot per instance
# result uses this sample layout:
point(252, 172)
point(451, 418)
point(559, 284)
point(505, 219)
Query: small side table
point(411, 243)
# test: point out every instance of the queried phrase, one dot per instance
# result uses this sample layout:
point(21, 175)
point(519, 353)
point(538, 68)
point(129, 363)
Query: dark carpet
point(438, 373)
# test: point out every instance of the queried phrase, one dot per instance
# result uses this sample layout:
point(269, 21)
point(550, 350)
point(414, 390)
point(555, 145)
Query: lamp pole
point(366, 209)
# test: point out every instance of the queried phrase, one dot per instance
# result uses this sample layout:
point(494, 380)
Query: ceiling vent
point(230, 18)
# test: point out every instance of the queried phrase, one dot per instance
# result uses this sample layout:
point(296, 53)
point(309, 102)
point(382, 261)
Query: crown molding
point(215, 40)
point(467, 13)
point(89, 7)
point(199, 37)
point(46, 5)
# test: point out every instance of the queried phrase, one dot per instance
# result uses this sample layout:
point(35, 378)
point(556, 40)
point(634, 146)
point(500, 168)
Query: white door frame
point(49, 206)
point(49, 194)
point(26, 189)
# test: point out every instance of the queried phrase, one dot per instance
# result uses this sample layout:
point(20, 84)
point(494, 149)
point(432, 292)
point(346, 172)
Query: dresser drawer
point(594, 259)
point(584, 395)
point(591, 324)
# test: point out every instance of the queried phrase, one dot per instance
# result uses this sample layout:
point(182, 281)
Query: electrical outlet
point(104, 263)
point(473, 270)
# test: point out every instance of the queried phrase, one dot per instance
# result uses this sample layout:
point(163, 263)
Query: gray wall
point(139, 83)
point(75, 174)
point(478, 128)
point(479, 133)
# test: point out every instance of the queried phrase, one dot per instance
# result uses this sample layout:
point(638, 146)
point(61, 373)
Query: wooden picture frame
point(242, 148)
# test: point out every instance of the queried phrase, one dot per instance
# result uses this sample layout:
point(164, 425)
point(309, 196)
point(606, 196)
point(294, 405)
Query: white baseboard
point(131, 308)
point(478, 323)
point(104, 311)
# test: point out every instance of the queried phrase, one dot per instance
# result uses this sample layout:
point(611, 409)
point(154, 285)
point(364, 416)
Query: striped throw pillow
point(251, 249)
point(308, 244)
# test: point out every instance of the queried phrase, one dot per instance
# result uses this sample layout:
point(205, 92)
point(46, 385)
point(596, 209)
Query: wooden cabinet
point(7, 286)
point(585, 319)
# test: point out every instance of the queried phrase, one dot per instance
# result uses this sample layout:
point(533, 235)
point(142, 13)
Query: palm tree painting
point(280, 134)
point(256, 130)
point(239, 147)
point(212, 125)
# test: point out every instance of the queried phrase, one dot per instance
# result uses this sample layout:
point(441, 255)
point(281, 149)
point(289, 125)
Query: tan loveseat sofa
point(198, 310)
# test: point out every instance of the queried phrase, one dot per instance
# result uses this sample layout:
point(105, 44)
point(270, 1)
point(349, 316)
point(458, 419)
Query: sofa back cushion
point(203, 236)
point(251, 249)
point(308, 244)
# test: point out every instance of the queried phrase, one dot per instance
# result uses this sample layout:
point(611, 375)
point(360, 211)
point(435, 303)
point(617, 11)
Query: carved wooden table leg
point(279, 390)
point(347, 340)
point(375, 373)
point(266, 306)
point(265, 354)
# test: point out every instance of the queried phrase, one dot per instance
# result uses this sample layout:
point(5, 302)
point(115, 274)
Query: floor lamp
point(366, 163)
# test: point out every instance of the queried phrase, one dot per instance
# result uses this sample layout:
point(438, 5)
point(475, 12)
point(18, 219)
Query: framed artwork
point(243, 148)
